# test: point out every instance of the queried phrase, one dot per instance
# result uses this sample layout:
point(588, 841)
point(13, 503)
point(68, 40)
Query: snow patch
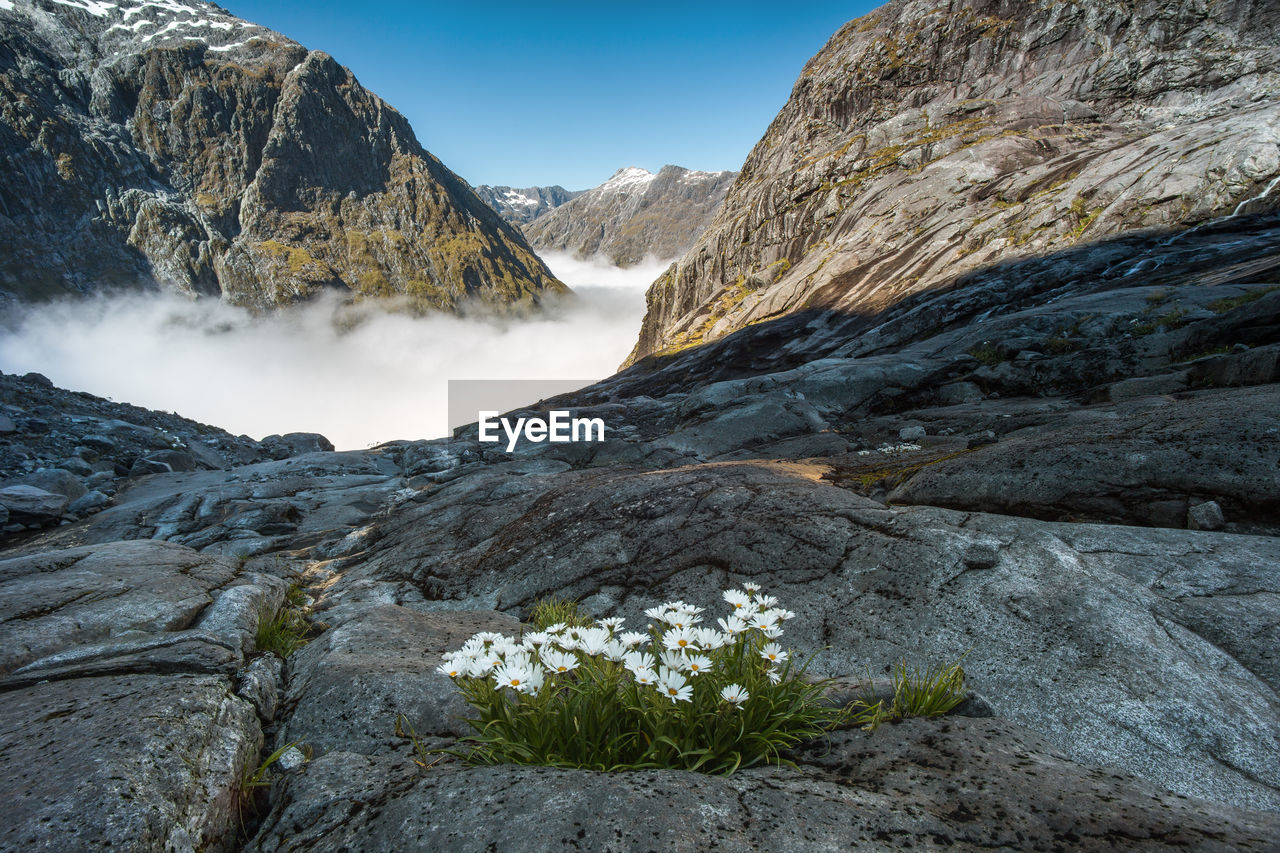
point(164, 6)
point(512, 197)
point(97, 8)
point(629, 178)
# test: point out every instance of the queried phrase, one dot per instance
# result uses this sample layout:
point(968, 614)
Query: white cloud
point(359, 375)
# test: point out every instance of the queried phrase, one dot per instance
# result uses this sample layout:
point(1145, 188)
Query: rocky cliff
point(927, 140)
point(522, 206)
point(171, 143)
point(633, 215)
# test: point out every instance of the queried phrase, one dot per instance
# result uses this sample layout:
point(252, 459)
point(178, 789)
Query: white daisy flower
point(455, 668)
point(771, 633)
point(672, 659)
point(488, 637)
point(633, 639)
point(519, 678)
point(766, 602)
point(774, 675)
point(535, 639)
point(613, 623)
point(709, 638)
point(698, 664)
point(681, 639)
point(751, 587)
point(614, 650)
point(592, 641)
point(555, 629)
point(638, 660)
point(733, 625)
point(558, 661)
point(773, 653)
point(644, 675)
point(674, 686)
point(734, 694)
point(737, 598)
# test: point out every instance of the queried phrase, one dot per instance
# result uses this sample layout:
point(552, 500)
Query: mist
point(357, 374)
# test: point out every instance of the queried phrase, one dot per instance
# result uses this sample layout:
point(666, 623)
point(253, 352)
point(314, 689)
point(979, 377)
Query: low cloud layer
point(312, 369)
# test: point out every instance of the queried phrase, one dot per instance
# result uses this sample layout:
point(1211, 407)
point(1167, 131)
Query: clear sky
point(538, 93)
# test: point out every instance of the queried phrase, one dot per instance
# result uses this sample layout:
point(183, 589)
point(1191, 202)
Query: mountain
point(172, 143)
point(521, 206)
point(923, 142)
point(1058, 466)
point(633, 215)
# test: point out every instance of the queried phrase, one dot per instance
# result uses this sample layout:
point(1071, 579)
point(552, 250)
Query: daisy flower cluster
point(676, 649)
point(688, 691)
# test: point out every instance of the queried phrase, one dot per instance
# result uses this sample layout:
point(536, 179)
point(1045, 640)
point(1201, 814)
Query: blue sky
point(541, 93)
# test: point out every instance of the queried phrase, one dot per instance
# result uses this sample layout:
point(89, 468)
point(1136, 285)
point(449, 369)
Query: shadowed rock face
point(175, 144)
point(926, 140)
point(633, 215)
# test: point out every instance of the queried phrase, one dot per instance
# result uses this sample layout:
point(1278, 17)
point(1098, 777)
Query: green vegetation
point(262, 777)
point(288, 629)
point(593, 697)
point(986, 353)
point(1222, 350)
point(930, 692)
point(552, 610)
point(1174, 318)
point(1222, 306)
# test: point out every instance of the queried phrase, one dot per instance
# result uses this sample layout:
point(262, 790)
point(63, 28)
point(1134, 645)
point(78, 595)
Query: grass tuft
point(552, 610)
point(931, 692)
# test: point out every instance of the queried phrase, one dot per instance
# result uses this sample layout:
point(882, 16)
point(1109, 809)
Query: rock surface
point(928, 140)
point(119, 727)
point(634, 215)
point(174, 144)
point(961, 785)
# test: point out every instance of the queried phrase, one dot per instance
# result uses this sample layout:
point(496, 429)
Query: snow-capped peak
point(629, 177)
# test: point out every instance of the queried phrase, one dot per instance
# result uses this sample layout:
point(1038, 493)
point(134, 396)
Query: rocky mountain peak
point(927, 140)
point(168, 142)
point(633, 215)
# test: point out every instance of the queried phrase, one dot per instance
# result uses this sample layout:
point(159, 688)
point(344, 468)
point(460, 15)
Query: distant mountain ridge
point(927, 140)
point(522, 205)
point(633, 215)
point(173, 143)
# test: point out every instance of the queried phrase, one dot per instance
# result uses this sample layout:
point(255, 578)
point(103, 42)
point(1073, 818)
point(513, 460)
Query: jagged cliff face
point(525, 204)
point(633, 215)
point(927, 140)
point(170, 142)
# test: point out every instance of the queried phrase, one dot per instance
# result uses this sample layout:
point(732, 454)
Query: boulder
point(1205, 516)
point(88, 502)
point(295, 444)
point(56, 480)
point(29, 505)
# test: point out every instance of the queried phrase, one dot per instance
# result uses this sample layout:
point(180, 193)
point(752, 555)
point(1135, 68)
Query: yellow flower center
point(672, 691)
point(682, 643)
point(515, 682)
